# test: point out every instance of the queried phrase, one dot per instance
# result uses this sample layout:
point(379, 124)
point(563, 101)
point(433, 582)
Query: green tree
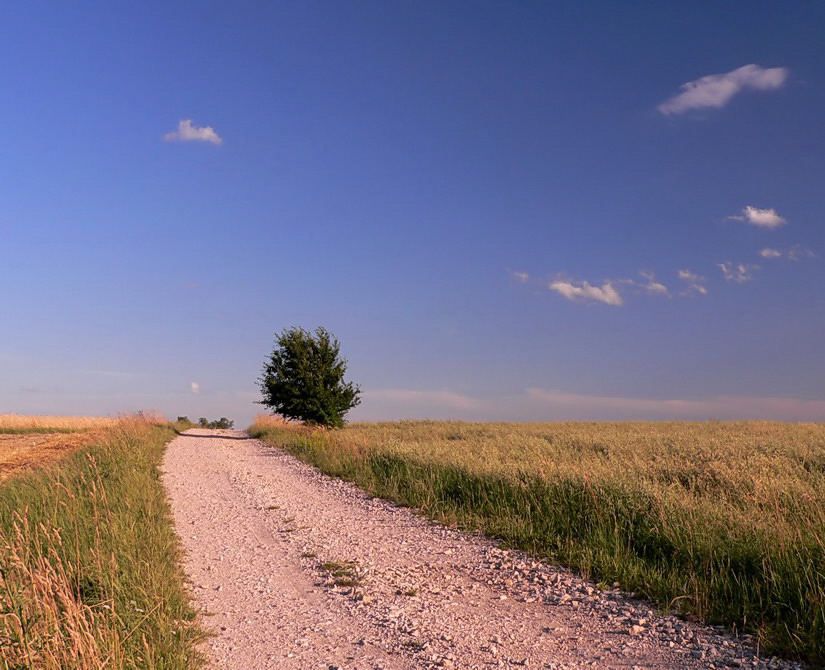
point(303, 378)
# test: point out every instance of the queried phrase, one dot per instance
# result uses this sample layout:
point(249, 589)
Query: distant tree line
point(203, 422)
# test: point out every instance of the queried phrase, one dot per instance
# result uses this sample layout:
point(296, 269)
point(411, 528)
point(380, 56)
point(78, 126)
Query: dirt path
point(268, 537)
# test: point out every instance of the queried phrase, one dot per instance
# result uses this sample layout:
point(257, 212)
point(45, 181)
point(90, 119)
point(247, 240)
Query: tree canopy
point(303, 378)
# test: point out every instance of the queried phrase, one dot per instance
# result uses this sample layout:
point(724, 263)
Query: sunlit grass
point(722, 521)
point(89, 571)
point(25, 423)
point(264, 421)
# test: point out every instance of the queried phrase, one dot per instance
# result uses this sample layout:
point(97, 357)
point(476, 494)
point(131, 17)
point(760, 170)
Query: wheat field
point(23, 423)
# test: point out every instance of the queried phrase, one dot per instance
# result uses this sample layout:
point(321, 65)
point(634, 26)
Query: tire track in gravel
point(257, 526)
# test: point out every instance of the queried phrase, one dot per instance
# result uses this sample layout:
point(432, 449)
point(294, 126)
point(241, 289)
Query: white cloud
point(539, 404)
point(548, 405)
point(763, 218)
point(187, 132)
point(716, 90)
point(651, 286)
point(737, 272)
point(695, 283)
point(195, 387)
point(770, 253)
point(585, 291)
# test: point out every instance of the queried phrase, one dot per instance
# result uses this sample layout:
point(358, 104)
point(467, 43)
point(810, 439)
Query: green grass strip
point(694, 561)
point(89, 562)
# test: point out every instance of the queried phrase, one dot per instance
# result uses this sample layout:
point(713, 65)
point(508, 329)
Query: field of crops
point(33, 441)
point(721, 521)
point(23, 423)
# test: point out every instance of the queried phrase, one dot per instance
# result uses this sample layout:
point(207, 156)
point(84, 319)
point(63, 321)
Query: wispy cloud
point(548, 405)
point(521, 277)
point(648, 284)
point(798, 252)
point(716, 90)
point(195, 387)
point(694, 283)
point(540, 404)
point(763, 218)
point(795, 253)
point(586, 292)
point(412, 403)
point(186, 132)
point(737, 272)
point(651, 286)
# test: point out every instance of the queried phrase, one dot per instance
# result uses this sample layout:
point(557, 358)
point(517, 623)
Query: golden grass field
point(33, 441)
point(721, 520)
point(770, 470)
point(24, 422)
point(775, 469)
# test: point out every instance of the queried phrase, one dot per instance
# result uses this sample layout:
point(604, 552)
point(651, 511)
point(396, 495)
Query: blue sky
point(505, 211)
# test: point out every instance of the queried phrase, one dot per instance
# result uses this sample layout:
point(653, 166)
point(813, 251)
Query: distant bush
point(181, 424)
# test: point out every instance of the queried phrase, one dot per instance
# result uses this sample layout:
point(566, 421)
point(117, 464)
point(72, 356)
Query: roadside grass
point(89, 562)
point(723, 522)
point(182, 425)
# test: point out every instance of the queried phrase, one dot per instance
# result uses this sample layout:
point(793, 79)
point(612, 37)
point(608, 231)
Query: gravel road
point(293, 569)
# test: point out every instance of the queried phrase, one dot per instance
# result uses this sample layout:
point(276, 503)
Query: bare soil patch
point(22, 452)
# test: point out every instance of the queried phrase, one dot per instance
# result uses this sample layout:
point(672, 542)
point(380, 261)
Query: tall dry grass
point(89, 571)
point(721, 521)
point(266, 421)
point(46, 623)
